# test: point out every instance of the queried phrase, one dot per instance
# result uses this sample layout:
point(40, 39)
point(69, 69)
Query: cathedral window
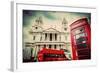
point(55, 37)
point(65, 29)
point(33, 37)
point(50, 37)
point(45, 36)
point(36, 27)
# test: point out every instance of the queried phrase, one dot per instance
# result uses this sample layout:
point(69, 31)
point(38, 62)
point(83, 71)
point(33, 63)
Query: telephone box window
point(81, 46)
point(79, 30)
point(81, 40)
point(80, 35)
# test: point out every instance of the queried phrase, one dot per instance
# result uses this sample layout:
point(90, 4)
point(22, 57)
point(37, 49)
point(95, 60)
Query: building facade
point(49, 38)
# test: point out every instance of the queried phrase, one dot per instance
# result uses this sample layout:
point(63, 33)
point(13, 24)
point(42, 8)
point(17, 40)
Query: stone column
point(34, 51)
point(57, 47)
point(47, 46)
point(53, 46)
point(43, 37)
point(59, 37)
point(61, 47)
point(48, 37)
point(52, 36)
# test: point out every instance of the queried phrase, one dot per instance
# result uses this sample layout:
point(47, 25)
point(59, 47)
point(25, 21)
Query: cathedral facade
point(49, 38)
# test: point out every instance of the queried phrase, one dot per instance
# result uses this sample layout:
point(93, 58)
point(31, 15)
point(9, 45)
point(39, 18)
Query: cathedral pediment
point(51, 30)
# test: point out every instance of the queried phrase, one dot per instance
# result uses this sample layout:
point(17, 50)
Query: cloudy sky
point(50, 19)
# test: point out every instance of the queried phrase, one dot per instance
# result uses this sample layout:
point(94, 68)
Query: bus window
point(54, 55)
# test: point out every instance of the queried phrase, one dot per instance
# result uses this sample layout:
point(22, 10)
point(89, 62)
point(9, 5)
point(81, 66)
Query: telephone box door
point(80, 37)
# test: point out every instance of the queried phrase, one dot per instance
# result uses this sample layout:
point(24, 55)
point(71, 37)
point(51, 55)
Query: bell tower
point(64, 25)
point(39, 21)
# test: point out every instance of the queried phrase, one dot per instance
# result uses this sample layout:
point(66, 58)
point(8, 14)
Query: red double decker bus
point(51, 55)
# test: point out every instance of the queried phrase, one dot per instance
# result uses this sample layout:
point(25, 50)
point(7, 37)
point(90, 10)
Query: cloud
point(29, 15)
point(50, 19)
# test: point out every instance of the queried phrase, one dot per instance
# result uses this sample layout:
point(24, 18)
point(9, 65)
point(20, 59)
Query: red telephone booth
point(81, 39)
